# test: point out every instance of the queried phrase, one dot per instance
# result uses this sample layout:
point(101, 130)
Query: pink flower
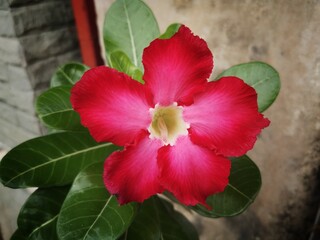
point(177, 129)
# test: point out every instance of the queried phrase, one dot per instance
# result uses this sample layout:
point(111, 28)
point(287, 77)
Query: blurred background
point(37, 35)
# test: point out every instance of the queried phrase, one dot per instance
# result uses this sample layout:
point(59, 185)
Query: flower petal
point(178, 67)
point(191, 172)
point(111, 105)
point(132, 174)
point(225, 117)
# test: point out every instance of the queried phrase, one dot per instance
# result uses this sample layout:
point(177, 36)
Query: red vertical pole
point(85, 19)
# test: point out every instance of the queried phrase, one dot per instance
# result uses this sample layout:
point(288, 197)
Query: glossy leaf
point(262, 77)
point(122, 63)
point(129, 27)
point(48, 231)
point(90, 212)
point(55, 110)
point(38, 216)
point(158, 220)
point(244, 185)
point(171, 30)
point(18, 235)
point(51, 160)
point(68, 74)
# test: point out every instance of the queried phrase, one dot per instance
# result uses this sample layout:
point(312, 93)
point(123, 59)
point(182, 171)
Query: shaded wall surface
point(35, 37)
point(286, 35)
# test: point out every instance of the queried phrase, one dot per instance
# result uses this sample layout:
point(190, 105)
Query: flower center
point(167, 123)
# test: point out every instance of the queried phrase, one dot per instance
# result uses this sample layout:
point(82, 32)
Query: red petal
point(111, 105)
point(225, 117)
point(191, 172)
point(178, 67)
point(133, 174)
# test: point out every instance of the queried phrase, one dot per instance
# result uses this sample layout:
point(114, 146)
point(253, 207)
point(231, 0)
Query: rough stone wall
point(35, 37)
point(286, 35)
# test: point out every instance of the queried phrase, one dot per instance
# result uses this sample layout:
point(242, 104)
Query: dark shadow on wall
point(297, 220)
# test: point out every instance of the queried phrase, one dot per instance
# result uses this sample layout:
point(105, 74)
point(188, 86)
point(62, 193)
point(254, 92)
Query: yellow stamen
point(167, 123)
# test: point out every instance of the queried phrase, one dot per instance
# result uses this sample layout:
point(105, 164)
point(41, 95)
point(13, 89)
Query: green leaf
point(262, 77)
point(158, 220)
point(122, 63)
point(129, 27)
point(38, 216)
point(68, 74)
point(48, 231)
point(55, 111)
point(90, 212)
point(18, 235)
point(171, 30)
point(51, 160)
point(244, 185)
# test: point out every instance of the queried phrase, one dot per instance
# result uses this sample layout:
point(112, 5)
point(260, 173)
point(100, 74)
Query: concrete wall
point(31, 37)
point(286, 35)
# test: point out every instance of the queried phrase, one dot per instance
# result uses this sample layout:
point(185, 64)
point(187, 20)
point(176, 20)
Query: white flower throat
point(167, 123)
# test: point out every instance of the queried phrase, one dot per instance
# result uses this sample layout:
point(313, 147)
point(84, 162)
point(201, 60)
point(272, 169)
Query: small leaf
point(55, 111)
point(122, 63)
point(90, 212)
point(51, 160)
point(38, 216)
point(68, 74)
point(244, 185)
point(129, 27)
point(171, 30)
point(157, 220)
point(262, 77)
